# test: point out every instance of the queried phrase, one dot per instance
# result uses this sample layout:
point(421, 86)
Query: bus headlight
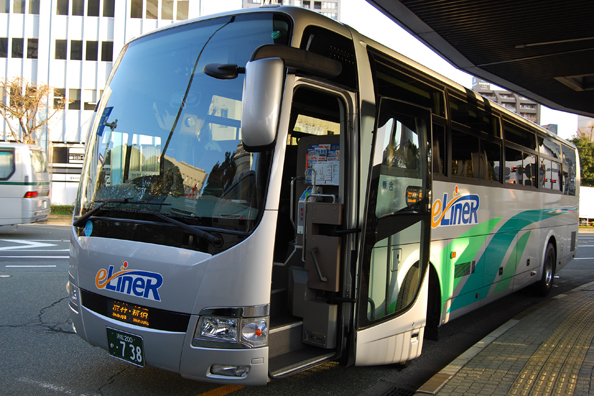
point(217, 328)
point(254, 331)
point(234, 331)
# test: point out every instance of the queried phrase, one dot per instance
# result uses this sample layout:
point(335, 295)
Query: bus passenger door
point(392, 298)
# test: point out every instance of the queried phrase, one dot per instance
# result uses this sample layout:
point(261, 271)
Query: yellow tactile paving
point(553, 369)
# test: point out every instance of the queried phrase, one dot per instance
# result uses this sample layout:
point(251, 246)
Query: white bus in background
point(268, 190)
point(24, 184)
point(586, 205)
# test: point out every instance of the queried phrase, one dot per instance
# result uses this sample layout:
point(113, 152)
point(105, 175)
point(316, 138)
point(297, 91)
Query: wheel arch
point(551, 240)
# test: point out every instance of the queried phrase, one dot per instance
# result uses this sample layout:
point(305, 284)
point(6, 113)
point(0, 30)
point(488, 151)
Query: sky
point(370, 22)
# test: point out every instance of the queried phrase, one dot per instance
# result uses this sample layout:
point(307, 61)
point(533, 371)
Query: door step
point(294, 362)
point(285, 338)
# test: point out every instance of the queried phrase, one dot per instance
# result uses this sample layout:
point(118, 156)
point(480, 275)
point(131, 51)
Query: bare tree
point(27, 103)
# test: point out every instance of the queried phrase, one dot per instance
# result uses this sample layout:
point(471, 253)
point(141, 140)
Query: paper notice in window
point(327, 172)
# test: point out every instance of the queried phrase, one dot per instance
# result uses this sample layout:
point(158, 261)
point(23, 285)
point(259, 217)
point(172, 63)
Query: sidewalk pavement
point(546, 350)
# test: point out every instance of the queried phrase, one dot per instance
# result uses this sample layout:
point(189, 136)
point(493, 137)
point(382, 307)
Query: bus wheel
point(544, 286)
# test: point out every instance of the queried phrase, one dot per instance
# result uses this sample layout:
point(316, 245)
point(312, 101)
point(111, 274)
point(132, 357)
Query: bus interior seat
point(480, 165)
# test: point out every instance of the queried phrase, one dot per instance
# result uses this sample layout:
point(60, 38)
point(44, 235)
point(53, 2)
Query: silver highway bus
point(268, 190)
point(24, 184)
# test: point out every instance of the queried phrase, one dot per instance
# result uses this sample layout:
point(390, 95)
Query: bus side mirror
point(262, 95)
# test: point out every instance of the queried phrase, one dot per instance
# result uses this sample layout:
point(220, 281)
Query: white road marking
point(47, 385)
point(29, 266)
point(26, 244)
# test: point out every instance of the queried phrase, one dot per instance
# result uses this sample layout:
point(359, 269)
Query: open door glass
point(397, 229)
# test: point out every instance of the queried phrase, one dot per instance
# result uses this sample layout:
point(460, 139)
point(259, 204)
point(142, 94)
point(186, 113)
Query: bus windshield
point(167, 137)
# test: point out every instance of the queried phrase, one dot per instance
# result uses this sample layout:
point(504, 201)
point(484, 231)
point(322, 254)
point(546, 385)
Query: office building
point(330, 8)
point(510, 100)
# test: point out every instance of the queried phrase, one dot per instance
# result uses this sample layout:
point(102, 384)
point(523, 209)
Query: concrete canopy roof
point(542, 50)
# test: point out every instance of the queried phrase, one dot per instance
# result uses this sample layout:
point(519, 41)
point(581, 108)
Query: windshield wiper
point(216, 240)
point(80, 222)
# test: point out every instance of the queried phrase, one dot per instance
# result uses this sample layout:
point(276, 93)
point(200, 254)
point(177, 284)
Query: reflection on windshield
point(165, 132)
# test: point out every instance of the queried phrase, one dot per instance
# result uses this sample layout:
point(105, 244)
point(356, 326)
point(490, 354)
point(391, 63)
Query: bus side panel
point(503, 251)
point(567, 245)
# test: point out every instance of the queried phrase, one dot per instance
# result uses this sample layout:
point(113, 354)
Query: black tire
point(545, 284)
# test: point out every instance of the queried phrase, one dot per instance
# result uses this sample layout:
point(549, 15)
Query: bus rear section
point(24, 184)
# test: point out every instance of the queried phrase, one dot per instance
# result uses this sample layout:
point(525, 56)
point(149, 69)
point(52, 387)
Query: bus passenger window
point(463, 147)
point(549, 147)
point(492, 153)
point(545, 174)
point(569, 170)
point(530, 171)
point(555, 176)
point(513, 166)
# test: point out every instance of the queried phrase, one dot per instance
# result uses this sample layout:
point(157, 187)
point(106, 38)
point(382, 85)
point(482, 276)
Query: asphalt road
point(40, 354)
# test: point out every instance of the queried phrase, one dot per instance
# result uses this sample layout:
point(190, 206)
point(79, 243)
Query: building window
point(34, 7)
point(167, 10)
point(59, 94)
point(90, 99)
point(78, 7)
point(74, 97)
point(107, 51)
point(136, 9)
point(317, 5)
point(93, 8)
point(76, 49)
point(62, 7)
point(32, 48)
point(152, 9)
point(182, 10)
point(306, 4)
point(61, 46)
point(92, 50)
point(17, 47)
point(3, 47)
point(18, 7)
point(4, 6)
point(108, 8)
